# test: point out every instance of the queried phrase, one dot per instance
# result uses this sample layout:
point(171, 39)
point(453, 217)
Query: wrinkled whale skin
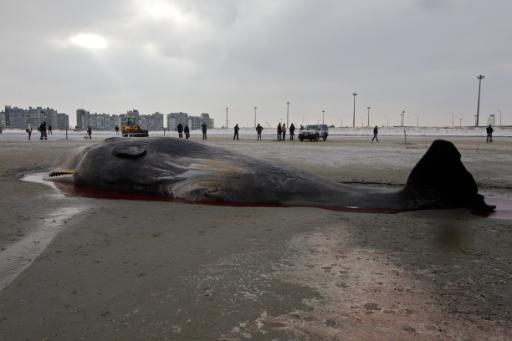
point(185, 170)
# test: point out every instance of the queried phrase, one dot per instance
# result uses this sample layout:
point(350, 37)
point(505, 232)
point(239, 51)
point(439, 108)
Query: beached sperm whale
point(178, 169)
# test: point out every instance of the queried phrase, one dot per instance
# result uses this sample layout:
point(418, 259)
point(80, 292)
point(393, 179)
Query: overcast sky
point(196, 56)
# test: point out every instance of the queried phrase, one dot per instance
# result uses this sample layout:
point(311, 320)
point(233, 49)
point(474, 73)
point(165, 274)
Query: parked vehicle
point(314, 132)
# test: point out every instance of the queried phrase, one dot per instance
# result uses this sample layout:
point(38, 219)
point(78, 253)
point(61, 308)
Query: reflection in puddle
point(19, 255)
point(40, 178)
point(503, 208)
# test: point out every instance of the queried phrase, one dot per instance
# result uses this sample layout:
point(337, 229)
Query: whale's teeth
point(61, 172)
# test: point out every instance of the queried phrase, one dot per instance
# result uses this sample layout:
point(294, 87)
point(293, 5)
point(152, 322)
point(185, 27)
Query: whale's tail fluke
point(440, 179)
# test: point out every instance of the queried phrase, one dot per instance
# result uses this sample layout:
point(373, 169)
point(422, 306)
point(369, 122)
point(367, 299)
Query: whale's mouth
point(60, 173)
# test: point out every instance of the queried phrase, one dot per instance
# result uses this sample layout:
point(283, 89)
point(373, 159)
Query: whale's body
point(180, 169)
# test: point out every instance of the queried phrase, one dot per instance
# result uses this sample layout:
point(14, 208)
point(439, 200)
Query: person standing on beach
point(204, 127)
point(236, 129)
point(259, 128)
point(187, 132)
point(489, 134)
point(283, 131)
point(29, 132)
point(42, 130)
point(89, 132)
point(279, 132)
point(180, 130)
point(292, 131)
point(375, 134)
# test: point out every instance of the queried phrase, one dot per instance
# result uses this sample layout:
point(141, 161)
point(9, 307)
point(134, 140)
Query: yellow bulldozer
point(130, 127)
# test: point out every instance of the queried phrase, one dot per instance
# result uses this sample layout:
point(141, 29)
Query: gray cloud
point(195, 56)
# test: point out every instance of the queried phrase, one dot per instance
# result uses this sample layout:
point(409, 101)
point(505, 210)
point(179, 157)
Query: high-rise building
point(194, 122)
point(152, 122)
point(82, 119)
point(205, 117)
point(173, 119)
point(50, 117)
point(19, 118)
point(96, 121)
point(62, 121)
point(3, 123)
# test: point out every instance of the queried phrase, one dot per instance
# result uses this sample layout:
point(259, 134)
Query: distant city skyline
point(418, 56)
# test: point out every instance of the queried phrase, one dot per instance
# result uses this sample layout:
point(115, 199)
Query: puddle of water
point(39, 178)
point(19, 255)
point(503, 208)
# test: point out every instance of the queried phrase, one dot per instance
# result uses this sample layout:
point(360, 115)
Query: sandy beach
point(75, 268)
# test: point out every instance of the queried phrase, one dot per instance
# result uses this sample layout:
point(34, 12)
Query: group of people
point(44, 129)
point(281, 131)
point(182, 130)
point(185, 129)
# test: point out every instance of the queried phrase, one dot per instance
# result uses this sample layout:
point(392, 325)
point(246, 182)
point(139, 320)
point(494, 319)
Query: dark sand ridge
point(129, 269)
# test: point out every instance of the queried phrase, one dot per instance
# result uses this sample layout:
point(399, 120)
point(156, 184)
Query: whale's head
point(141, 165)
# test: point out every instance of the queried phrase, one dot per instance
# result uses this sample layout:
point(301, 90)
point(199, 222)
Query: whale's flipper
point(440, 179)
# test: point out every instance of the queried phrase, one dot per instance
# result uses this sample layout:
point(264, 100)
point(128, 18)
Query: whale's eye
point(129, 151)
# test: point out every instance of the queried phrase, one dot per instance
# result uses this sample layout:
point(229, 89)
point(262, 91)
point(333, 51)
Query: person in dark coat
point(236, 129)
point(50, 130)
point(187, 132)
point(375, 134)
point(259, 129)
point(489, 134)
point(292, 131)
point(116, 128)
point(204, 127)
point(283, 131)
point(279, 131)
point(89, 132)
point(179, 127)
point(42, 130)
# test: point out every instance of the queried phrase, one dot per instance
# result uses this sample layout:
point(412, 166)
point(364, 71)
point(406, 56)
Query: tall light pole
point(354, 117)
point(287, 113)
point(323, 116)
point(500, 116)
point(479, 77)
point(227, 117)
point(368, 116)
point(403, 116)
point(255, 108)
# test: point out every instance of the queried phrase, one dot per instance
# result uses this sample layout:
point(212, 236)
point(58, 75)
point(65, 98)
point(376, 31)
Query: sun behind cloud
point(89, 41)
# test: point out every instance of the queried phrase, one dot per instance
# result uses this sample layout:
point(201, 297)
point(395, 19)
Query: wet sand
point(120, 269)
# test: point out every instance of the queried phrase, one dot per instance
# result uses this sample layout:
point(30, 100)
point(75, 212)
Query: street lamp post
point(287, 113)
point(354, 117)
point(368, 115)
point(479, 77)
point(403, 117)
point(227, 117)
point(323, 116)
point(255, 108)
